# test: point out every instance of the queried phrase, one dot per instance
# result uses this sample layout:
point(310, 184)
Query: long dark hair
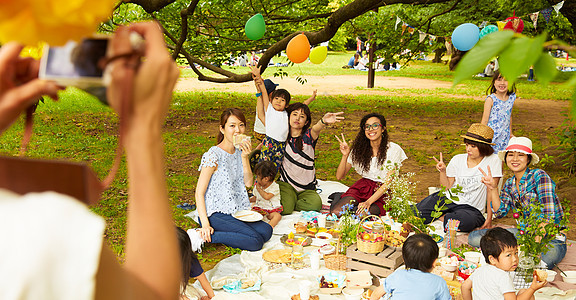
point(361, 149)
point(224, 118)
point(492, 89)
point(299, 106)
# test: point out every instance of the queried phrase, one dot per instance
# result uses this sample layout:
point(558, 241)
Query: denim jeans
point(232, 232)
point(556, 248)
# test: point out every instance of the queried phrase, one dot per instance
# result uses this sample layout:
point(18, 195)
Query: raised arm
point(491, 183)
point(152, 254)
point(445, 181)
point(246, 148)
point(311, 99)
point(344, 166)
point(264, 97)
point(328, 118)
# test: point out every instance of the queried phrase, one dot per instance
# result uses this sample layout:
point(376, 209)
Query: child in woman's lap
point(267, 192)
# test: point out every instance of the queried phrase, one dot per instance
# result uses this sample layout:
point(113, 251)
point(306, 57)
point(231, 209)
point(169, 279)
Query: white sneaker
point(195, 239)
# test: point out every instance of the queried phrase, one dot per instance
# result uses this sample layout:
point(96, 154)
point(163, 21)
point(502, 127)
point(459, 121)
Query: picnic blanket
point(279, 281)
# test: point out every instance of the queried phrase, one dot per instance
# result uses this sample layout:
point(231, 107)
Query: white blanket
point(280, 283)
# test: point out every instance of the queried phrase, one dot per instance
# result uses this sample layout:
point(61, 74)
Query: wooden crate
point(380, 264)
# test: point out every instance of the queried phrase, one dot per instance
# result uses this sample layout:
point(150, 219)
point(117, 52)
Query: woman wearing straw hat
point(464, 171)
point(520, 189)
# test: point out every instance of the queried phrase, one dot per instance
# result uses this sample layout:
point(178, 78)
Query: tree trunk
point(456, 57)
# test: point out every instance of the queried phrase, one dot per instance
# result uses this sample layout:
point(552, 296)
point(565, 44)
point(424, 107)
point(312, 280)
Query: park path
point(326, 85)
point(545, 112)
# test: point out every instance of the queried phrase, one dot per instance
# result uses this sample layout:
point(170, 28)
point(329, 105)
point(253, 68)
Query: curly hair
point(306, 110)
point(362, 151)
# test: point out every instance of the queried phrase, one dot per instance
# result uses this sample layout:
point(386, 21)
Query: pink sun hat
point(520, 144)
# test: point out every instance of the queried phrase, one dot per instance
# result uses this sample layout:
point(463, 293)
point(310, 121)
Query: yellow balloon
point(501, 25)
point(318, 54)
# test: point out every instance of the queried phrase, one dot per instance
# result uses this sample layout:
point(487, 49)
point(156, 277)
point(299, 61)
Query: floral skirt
point(273, 151)
point(363, 189)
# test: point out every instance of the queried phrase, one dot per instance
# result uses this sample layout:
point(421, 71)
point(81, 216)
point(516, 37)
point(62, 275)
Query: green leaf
point(519, 56)
point(545, 68)
point(476, 59)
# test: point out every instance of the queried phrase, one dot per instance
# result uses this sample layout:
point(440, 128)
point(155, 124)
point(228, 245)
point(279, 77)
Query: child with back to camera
point(267, 192)
point(191, 268)
point(493, 281)
point(498, 110)
point(415, 282)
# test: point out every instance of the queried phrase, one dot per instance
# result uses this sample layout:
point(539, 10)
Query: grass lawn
point(79, 128)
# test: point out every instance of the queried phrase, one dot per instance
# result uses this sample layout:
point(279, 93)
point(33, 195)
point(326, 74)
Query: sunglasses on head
point(372, 126)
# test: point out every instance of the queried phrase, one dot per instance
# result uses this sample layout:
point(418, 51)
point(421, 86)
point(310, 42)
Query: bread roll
point(541, 275)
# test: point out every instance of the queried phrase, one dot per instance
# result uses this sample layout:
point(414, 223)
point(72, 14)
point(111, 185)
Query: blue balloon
point(488, 30)
point(465, 36)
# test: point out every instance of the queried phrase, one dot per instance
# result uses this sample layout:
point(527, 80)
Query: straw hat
point(520, 144)
point(479, 133)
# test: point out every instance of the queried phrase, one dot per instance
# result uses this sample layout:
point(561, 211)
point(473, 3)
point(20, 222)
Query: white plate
point(248, 216)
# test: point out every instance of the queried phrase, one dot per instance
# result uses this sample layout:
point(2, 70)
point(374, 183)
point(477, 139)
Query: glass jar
point(297, 256)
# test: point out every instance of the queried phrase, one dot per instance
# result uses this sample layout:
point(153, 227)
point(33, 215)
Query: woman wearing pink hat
point(520, 189)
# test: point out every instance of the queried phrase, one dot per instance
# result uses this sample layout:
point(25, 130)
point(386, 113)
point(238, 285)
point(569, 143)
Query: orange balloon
point(298, 49)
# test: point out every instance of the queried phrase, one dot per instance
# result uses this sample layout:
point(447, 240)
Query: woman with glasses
point(374, 158)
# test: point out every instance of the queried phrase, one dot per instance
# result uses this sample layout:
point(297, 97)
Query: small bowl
point(352, 294)
point(551, 275)
point(323, 235)
point(449, 268)
point(570, 276)
point(473, 256)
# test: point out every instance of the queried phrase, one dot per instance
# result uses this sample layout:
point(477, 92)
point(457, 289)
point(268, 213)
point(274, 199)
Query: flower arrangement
point(347, 225)
point(400, 205)
point(534, 233)
point(53, 21)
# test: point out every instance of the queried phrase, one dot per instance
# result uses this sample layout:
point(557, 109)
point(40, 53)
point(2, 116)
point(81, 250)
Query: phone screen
point(76, 60)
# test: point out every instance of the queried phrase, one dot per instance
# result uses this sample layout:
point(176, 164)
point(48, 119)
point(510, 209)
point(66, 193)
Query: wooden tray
point(281, 256)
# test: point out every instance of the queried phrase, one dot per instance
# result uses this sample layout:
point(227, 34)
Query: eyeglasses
point(372, 126)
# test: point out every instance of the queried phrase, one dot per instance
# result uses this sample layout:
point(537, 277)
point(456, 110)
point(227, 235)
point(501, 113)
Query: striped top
point(297, 168)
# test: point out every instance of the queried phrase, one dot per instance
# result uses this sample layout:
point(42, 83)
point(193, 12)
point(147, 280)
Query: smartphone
point(78, 64)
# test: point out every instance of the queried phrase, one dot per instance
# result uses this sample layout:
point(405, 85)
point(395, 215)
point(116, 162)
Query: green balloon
point(255, 27)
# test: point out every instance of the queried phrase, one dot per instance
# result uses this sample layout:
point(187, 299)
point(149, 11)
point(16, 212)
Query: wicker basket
point(366, 246)
point(335, 261)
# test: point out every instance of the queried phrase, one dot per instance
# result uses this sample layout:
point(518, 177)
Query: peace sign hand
point(344, 148)
point(488, 180)
point(331, 118)
point(440, 165)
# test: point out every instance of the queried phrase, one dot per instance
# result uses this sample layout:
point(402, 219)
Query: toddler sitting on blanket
point(267, 192)
point(191, 268)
